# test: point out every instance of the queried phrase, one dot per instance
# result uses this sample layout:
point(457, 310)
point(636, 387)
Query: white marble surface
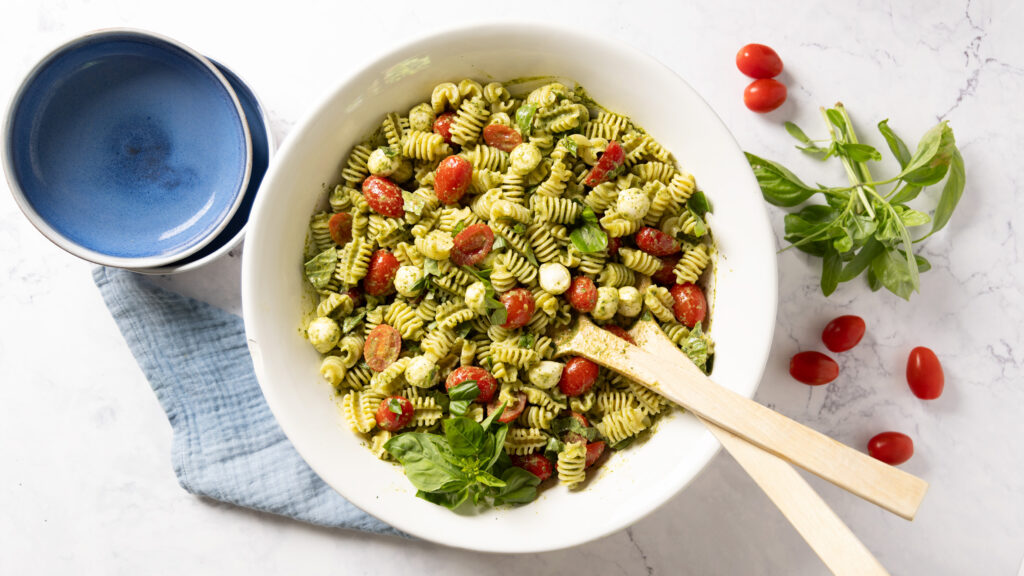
point(85, 481)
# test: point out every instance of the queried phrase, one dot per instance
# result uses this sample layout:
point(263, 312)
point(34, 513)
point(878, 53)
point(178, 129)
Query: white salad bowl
point(635, 481)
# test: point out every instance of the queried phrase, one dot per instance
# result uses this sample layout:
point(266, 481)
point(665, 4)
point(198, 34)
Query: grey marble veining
point(86, 482)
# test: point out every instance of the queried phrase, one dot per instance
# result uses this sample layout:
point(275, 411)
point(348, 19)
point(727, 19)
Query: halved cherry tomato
point(472, 244)
point(452, 179)
point(764, 95)
point(519, 305)
point(594, 451)
point(620, 332)
point(613, 245)
point(443, 126)
point(655, 242)
point(924, 374)
point(688, 304)
point(384, 197)
point(512, 411)
point(666, 275)
point(612, 158)
point(891, 447)
point(382, 347)
point(569, 436)
point(383, 267)
point(758, 61)
point(536, 464)
point(813, 368)
point(484, 381)
point(390, 420)
point(502, 137)
point(340, 227)
point(582, 294)
point(843, 333)
point(578, 376)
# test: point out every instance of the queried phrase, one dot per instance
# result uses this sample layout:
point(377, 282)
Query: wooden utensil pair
point(763, 441)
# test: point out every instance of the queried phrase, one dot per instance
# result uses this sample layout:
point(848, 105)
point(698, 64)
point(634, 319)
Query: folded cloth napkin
point(227, 445)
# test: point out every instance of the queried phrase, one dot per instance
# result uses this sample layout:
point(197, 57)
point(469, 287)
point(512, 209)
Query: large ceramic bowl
point(635, 481)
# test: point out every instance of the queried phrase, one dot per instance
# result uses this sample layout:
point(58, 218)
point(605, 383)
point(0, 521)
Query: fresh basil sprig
point(865, 227)
point(589, 237)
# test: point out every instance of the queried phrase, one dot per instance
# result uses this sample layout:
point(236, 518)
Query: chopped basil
point(395, 405)
point(524, 119)
point(320, 268)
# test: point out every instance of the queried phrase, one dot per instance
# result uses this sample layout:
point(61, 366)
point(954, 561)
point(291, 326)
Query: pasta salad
point(462, 233)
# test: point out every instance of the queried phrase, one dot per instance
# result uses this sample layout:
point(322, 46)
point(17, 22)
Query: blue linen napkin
point(227, 445)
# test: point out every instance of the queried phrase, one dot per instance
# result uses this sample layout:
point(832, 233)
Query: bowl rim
point(44, 227)
point(300, 130)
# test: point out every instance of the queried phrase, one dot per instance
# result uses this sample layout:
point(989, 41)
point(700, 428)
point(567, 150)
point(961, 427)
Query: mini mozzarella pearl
point(419, 371)
point(630, 301)
point(607, 303)
point(554, 277)
point(633, 203)
point(546, 374)
point(476, 294)
point(406, 279)
point(380, 164)
point(323, 334)
point(524, 158)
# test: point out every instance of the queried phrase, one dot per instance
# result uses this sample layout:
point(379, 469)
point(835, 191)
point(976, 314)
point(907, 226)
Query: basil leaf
point(441, 399)
point(520, 487)
point(700, 228)
point(498, 448)
point(570, 145)
point(427, 459)
point(861, 260)
point(699, 203)
point(831, 266)
point(906, 193)
point(350, 322)
point(526, 340)
point(923, 265)
point(488, 479)
point(395, 405)
point(519, 228)
point(459, 227)
point(486, 424)
point(466, 390)
point(624, 443)
point(932, 158)
point(389, 151)
point(896, 144)
point(892, 271)
point(861, 152)
point(589, 216)
point(589, 238)
point(499, 243)
point(836, 118)
point(570, 424)
point(778, 185)
point(320, 268)
point(450, 500)
point(459, 407)
point(951, 194)
point(911, 217)
point(465, 436)
point(524, 119)
point(696, 347)
point(554, 446)
point(797, 133)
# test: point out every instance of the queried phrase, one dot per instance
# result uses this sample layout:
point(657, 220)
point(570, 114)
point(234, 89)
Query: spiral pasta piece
point(692, 264)
point(639, 261)
point(621, 424)
point(521, 441)
point(355, 170)
point(572, 463)
point(658, 300)
point(424, 146)
point(469, 121)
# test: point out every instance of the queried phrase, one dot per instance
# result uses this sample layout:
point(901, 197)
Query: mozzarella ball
point(633, 203)
point(406, 280)
point(607, 303)
point(630, 301)
point(546, 374)
point(323, 334)
point(475, 296)
point(554, 277)
point(524, 158)
point(421, 372)
point(381, 164)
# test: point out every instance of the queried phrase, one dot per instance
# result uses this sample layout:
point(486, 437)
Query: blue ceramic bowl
point(127, 149)
point(262, 150)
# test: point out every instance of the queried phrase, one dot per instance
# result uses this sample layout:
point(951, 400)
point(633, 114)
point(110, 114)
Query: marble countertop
point(86, 483)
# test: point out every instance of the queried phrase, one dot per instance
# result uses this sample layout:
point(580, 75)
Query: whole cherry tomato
point(382, 347)
point(536, 464)
point(452, 179)
point(502, 137)
point(519, 307)
point(688, 304)
point(764, 95)
point(443, 126)
point(924, 374)
point(578, 376)
point(582, 294)
point(666, 275)
point(655, 242)
point(484, 381)
point(384, 197)
point(340, 227)
point(813, 368)
point(472, 244)
point(389, 419)
point(381, 275)
point(758, 61)
point(843, 333)
point(891, 447)
point(594, 451)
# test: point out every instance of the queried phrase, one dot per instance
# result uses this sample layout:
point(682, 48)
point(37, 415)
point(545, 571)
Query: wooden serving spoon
point(683, 383)
point(819, 526)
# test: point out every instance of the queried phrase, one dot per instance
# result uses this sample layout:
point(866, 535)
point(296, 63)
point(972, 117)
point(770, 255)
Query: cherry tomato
point(472, 244)
point(655, 242)
point(813, 368)
point(924, 374)
point(390, 420)
point(764, 95)
point(594, 451)
point(580, 418)
point(356, 295)
point(382, 347)
point(620, 332)
point(891, 447)
point(536, 464)
point(484, 381)
point(843, 333)
point(452, 179)
point(666, 275)
point(340, 227)
point(519, 306)
point(613, 245)
point(443, 126)
point(383, 267)
point(512, 411)
point(582, 294)
point(504, 138)
point(758, 61)
point(688, 304)
point(578, 376)
point(612, 158)
point(384, 197)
